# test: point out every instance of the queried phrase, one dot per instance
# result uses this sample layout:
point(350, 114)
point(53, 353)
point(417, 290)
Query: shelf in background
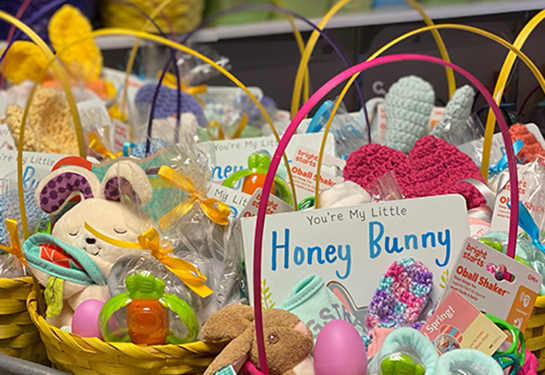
point(379, 16)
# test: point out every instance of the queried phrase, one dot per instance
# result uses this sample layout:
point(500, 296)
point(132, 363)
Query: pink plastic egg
point(339, 350)
point(85, 320)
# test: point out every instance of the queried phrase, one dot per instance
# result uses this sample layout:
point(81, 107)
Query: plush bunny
point(71, 259)
point(288, 342)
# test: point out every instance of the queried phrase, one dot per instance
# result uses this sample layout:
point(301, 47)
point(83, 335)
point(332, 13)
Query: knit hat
point(166, 102)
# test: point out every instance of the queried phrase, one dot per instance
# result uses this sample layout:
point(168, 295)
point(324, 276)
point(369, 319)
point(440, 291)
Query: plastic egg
point(339, 350)
point(85, 320)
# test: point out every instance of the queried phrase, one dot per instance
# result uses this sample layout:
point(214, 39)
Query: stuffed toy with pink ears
point(72, 263)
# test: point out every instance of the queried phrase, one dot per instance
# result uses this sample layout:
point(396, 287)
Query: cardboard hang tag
point(232, 155)
point(303, 168)
point(36, 166)
point(354, 246)
point(6, 140)
point(474, 277)
point(274, 205)
point(236, 200)
point(457, 324)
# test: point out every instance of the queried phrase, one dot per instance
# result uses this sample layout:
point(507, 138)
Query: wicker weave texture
point(535, 333)
point(18, 335)
point(91, 356)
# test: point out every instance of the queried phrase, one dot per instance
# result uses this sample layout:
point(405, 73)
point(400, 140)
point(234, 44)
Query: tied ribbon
point(502, 164)
point(527, 224)
point(15, 248)
point(97, 146)
point(216, 211)
point(170, 81)
point(150, 240)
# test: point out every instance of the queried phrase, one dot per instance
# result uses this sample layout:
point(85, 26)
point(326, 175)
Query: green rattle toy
point(400, 364)
point(147, 310)
point(254, 177)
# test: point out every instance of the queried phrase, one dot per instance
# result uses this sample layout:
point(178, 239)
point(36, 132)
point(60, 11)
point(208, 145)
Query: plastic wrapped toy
point(147, 313)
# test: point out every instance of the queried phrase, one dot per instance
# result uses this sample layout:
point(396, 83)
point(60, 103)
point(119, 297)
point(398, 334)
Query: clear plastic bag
point(385, 188)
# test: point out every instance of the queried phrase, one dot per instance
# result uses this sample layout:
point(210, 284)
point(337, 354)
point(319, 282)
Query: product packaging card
point(275, 205)
point(457, 324)
point(474, 277)
point(6, 140)
point(236, 200)
point(35, 167)
point(232, 155)
point(120, 135)
point(303, 168)
point(354, 246)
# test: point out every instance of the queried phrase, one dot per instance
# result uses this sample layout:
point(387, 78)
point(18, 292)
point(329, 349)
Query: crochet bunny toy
point(71, 261)
point(288, 341)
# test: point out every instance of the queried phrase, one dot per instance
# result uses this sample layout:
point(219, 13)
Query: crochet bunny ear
point(62, 185)
point(127, 178)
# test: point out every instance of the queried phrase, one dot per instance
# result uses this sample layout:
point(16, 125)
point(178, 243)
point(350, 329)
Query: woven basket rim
point(6, 283)
point(154, 350)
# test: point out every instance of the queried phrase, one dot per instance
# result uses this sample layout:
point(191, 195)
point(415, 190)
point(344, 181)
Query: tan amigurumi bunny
point(288, 342)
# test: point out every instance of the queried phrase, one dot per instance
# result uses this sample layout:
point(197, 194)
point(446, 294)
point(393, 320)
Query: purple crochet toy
point(166, 102)
point(401, 295)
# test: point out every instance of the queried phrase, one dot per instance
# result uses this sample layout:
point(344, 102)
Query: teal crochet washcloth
point(453, 126)
point(316, 305)
point(408, 105)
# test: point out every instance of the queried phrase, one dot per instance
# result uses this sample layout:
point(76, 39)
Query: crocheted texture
point(438, 167)
point(433, 167)
point(401, 295)
point(50, 127)
point(408, 105)
point(166, 102)
point(532, 148)
point(456, 115)
point(371, 161)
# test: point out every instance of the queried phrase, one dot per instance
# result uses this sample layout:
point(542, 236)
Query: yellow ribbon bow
point(97, 146)
point(150, 240)
point(15, 248)
point(216, 211)
point(169, 80)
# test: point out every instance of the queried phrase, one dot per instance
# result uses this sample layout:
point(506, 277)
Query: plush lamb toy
point(71, 261)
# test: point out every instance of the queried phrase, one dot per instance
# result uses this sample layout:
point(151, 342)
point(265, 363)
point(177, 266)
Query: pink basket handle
point(314, 99)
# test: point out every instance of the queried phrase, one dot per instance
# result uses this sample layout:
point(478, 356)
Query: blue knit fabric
point(408, 105)
point(140, 150)
point(9, 207)
point(457, 112)
point(166, 102)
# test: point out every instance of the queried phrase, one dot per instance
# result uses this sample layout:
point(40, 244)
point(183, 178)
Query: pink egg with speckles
point(339, 350)
point(85, 320)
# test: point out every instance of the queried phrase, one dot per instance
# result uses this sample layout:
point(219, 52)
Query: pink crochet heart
point(433, 167)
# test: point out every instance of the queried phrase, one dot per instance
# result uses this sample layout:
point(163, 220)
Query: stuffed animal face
point(102, 208)
point(109, 218)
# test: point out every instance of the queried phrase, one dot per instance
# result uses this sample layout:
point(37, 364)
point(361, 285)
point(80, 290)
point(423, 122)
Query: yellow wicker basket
point(18, 335)
point(535, 333)
point(183, 15)
point(91, 356)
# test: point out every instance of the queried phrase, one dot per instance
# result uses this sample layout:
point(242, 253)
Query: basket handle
point(324, 90)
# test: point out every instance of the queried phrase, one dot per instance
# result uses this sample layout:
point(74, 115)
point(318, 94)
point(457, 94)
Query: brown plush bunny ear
point(235, 354)
point(228, 323)
point(127, 178)
point(60, 186)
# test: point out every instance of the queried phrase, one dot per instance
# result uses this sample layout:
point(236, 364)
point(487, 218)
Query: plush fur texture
point(101, 209)
point(288, 341)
